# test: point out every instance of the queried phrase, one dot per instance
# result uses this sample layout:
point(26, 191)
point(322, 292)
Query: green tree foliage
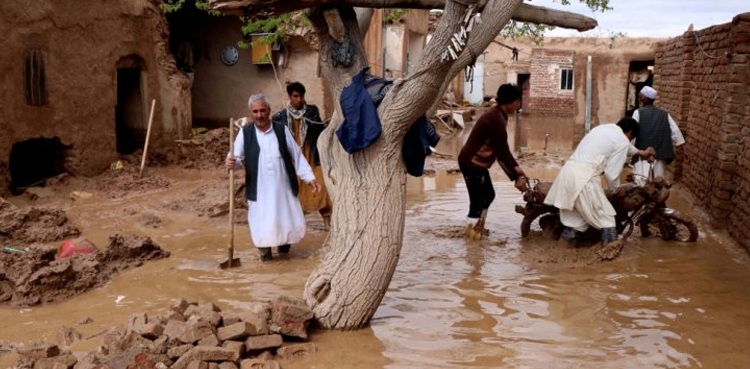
point(171, 6)
point(275, 29)
point(279, 28)
point(394, 15)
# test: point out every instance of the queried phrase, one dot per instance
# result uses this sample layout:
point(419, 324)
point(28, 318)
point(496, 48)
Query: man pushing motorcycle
point(577, 191)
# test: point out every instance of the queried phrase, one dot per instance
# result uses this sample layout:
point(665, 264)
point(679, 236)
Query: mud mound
point(210, 200)
point(120, 182)
point(205, 151)
point(34, 225)
point(37, 277)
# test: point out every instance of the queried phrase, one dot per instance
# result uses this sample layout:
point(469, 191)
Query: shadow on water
point(452, 303)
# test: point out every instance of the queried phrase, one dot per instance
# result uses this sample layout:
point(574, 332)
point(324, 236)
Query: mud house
point(553, 76)
point(78, 84)
point(224, 74)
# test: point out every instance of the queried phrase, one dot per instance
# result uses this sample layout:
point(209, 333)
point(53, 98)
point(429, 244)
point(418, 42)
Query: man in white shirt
point(272, 162)
point(657, 130)
point(577, 191)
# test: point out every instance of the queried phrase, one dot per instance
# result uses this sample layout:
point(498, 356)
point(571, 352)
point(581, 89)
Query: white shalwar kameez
point(577, 191)
point(642, 168)
point(276, 217)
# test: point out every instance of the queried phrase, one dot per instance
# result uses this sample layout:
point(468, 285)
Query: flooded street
point(452, 303)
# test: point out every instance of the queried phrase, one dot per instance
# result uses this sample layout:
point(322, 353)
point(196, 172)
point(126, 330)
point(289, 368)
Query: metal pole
point(587, 124)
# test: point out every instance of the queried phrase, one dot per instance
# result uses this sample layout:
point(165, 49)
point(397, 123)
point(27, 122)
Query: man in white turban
point(657, 130)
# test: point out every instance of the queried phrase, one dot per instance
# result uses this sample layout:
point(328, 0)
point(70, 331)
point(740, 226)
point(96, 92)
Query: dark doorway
point(129, 127)
point(34, 160)
point(641, 73)
point(521, 136)
point(524, 83)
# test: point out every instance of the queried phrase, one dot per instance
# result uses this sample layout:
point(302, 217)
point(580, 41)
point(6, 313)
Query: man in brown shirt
point(487, 143)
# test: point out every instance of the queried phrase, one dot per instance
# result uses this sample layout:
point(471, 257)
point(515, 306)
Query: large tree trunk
point(367, 188)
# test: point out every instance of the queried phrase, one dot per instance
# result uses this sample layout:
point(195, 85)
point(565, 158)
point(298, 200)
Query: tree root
point(321, 287)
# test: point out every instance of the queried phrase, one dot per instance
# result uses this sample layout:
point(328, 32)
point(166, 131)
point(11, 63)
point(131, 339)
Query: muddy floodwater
point(452, 303)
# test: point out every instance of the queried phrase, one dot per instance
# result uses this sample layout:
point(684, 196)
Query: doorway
point(129, 127)
point(524, 83)
point(640, 73)
point(34, 160)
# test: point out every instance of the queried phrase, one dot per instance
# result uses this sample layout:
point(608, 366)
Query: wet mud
point(40, 275)
point(502, 302)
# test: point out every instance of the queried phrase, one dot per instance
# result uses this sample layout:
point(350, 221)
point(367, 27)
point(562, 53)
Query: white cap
point(649, 92)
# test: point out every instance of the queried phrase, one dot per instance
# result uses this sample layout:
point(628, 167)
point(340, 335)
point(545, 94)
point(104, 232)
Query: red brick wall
point(703, 79)
point(546, 96)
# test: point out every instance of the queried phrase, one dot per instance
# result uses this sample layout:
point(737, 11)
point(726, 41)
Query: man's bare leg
point(476, 231)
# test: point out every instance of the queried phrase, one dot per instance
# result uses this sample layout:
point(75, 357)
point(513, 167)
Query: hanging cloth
point(361, 126)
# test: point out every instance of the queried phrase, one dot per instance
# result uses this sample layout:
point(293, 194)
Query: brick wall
point(703, 79)
point(546, 96)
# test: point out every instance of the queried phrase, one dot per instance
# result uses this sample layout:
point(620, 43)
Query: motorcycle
point(638, 207)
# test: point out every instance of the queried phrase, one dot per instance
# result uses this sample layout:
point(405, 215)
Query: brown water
point(452, 303)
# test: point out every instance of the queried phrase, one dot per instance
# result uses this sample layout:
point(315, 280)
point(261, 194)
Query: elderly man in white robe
point(577, 191)
point(659, 130)
point(272, 161)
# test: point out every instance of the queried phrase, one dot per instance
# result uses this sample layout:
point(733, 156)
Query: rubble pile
point(192, 335)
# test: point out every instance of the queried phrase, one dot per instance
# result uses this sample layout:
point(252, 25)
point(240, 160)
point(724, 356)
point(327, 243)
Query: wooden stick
point(148, 134)
point(231, 193)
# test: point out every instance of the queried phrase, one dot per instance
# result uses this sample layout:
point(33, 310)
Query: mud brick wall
point(546, 96)
point(703, 79)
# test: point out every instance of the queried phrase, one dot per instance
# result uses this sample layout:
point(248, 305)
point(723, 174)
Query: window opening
point(566, 79)
point(35, 78)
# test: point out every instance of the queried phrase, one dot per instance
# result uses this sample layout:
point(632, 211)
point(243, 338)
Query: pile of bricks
point(192, 336)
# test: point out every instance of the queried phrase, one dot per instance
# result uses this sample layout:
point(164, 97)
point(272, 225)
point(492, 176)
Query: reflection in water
point(452, 303)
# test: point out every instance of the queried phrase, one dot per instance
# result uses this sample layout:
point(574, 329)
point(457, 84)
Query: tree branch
point(523, 13)
point(482, 35)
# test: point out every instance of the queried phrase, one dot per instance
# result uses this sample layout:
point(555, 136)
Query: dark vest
point(252, 154)
point(655, 132)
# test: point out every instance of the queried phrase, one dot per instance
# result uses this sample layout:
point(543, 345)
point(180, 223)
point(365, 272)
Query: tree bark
point(523, 13)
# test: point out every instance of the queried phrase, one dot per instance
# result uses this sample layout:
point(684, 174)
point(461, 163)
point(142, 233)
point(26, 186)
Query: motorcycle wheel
point(671, 227)
point(550, 223)
point(528, 220)
point(678, 229)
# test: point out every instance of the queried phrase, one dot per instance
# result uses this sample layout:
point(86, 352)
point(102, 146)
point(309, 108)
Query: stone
point(290, 316)
point(210, 341)
point(263, 342)
point(296, 350)
point(238, 348)
point(176, 352)
point(39, 351)
point(203, 353)
point(179, 306)
point(228, 365)
point(259, 364)
point(235, 331)
point(66, 336)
